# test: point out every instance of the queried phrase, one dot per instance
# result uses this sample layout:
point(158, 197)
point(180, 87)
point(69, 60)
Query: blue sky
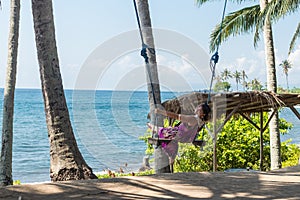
point(84, 26)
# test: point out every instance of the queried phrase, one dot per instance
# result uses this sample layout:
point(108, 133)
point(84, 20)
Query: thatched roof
point(249, 102)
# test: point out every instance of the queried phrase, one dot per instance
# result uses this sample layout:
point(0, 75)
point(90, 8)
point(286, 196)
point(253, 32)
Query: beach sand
point(278, 184)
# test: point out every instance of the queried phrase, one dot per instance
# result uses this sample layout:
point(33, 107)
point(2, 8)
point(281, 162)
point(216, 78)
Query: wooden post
point(261, 157)
point(215, 137)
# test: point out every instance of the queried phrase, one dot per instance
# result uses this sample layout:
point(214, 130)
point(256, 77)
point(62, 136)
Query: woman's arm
point(190, 119)
point(167, 113)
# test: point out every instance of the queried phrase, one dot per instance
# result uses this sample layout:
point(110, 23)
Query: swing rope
point(146, 58)
point(215, 57)
point(213, 61)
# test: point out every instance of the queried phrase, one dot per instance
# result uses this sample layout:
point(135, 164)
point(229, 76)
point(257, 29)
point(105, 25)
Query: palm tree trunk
point(287, 82)
point(9, 91)
point(161, 159)
point(271, 86)
point(66, 161)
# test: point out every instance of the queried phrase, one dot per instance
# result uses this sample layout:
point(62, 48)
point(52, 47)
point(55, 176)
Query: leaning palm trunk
point(271, 86)
point(161, 159)
point(9, 91)
point(66, 161)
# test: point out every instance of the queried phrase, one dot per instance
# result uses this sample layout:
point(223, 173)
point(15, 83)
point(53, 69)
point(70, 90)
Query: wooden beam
point(257, 127)
point(267, 124)
point(228, 117)
point(257, 107)
point(249, 120)
point(295, 111)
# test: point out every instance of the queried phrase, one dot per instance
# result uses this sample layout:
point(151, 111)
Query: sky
point(99, 45)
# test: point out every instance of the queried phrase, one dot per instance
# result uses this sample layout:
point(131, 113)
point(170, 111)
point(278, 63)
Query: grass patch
point(111, 174)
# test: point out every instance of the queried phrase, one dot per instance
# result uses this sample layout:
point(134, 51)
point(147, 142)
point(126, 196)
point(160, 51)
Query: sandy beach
point(278, 184)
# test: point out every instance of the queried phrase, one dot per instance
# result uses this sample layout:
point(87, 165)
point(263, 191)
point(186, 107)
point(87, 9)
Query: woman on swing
point(187, 130)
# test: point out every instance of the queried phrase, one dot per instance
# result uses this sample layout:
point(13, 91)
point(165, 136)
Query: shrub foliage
point(238, 146)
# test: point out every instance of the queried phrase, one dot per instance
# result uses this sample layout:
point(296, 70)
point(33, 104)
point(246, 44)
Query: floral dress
point(182, 133)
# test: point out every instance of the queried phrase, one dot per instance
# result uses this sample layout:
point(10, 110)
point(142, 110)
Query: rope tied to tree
point(215, 57)
point(146, 58)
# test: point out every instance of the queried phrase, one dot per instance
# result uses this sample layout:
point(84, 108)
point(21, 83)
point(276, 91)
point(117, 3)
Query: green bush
point(290, 153)
point(16, 182)
point(238, 146)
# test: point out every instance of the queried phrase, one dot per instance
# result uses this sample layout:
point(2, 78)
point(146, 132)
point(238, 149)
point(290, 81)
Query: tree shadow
point(235, 185)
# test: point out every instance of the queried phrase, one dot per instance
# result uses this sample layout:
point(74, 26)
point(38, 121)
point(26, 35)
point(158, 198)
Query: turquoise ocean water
point(106, 124)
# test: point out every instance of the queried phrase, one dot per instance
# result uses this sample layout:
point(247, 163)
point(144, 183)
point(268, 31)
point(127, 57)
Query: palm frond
point(236, 23)
point(201, 2)
point(295, 36)
point(277, 9)
point(256, 37)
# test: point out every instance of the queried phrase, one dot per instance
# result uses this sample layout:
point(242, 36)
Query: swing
point(158, 138)
point(165, 141)
point(184, 131)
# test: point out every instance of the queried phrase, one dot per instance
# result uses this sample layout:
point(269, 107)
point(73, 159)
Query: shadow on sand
point(283, 184)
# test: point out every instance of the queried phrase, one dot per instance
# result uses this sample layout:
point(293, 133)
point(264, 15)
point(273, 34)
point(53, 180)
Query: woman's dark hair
point(206, 109)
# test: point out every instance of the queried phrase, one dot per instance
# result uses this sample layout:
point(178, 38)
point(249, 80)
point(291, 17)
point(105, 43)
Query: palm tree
point(255, 84)
point(244, 77)
point(161, 159)
point(226, 74)
point(273, 10)
point(66, 161)
point(275, 143)
point(9, 91)
point(247, 20)
point(237, 76)
point(286, 65)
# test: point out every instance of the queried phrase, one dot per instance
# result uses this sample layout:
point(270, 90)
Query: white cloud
point(295, 56)
point(294, 72)
point(253, 65)
point(124, 61)
point(241, 61)
point(73, 66)
point(176, 71)
point(160, 58)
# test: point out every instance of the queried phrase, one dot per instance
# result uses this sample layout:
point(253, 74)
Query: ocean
point(107, 127)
